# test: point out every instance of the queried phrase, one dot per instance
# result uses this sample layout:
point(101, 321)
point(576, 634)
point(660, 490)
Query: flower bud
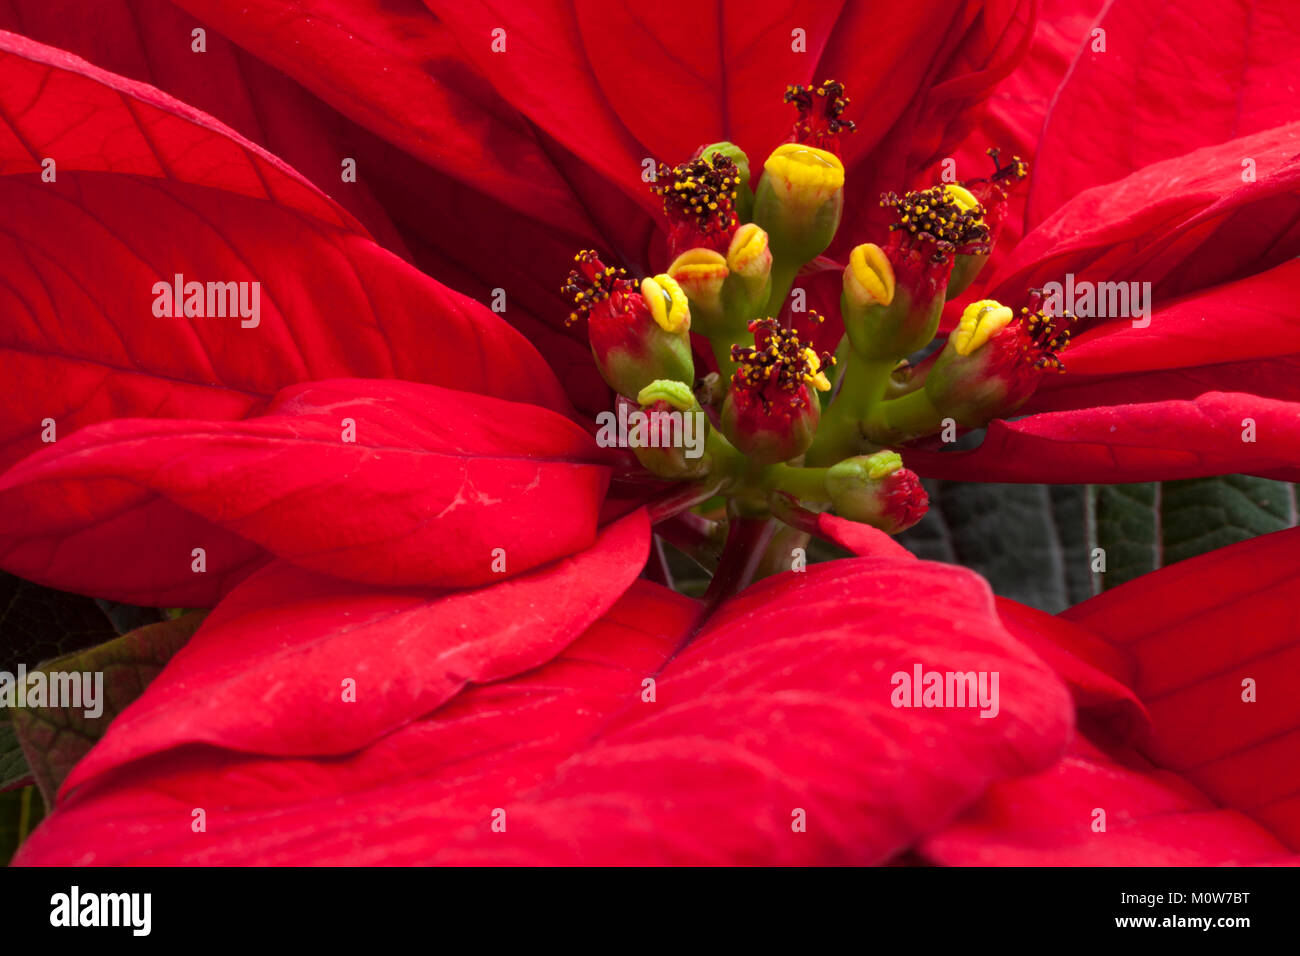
point(636, 336)
point(995, 359)
point(726, 291)
point(892, 298)
point(699, 202)
point(667, 430)
point(799, 201)
point(770, 413)
point(877, 490)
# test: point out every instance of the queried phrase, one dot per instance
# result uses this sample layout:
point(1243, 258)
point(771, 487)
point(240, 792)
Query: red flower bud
point(636, 336)
point(877, 490)
point(700, 202)
point(770, 412)
point(666, 430)
point(994, 360)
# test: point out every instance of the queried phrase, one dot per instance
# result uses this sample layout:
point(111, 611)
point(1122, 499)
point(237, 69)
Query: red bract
point(395, 499)
point(388, 483)
point(1209, 781)
point(636, 750)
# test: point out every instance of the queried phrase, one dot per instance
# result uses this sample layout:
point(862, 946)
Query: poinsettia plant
point(455, 403)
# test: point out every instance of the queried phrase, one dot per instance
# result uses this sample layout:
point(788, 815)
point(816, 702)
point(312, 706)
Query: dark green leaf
point(20, 811)
point(1031, 542)
point(54, 739)
point(13, 765)
point(1143, 527)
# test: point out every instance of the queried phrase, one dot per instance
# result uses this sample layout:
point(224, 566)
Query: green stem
point(806, 484)
point(783, 274)
point(25, 814)
point(839, 435)
point(907, 416)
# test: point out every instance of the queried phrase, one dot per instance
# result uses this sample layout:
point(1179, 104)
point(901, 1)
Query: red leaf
point(544, 74)
point(781, 704)
point(390, 66)
point(1181, 224)
point(1153, 818)
point(1277, 378)
point(1247, 319)
point(1160, 441)
point(1096, 673)
point(1196, 630)
point(288, 638)
point(148, 188)
point(915, 95)
point(1012, 117)
point(860, 539)
point(150, 41)
point(434, 482)
point(713, 70)
point(1216, 782)
point(1169, 81)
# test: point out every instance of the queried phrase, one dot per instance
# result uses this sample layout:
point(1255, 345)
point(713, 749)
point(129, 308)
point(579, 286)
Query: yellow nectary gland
point(870, 274)
point(748, 254)
point(961, 196)
point(667, 302)
point(979, 322)
point(807, 168)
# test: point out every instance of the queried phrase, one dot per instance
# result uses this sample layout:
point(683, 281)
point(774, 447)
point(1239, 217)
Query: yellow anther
point(980, 322)
point(815, 376)
point(667, 302)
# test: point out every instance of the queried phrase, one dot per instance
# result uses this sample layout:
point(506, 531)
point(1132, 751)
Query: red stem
point(747, 540)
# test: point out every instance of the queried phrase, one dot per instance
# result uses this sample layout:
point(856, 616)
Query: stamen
point(702, 192)
point(779, 362)
point(1017, 168)
point(820, 130)
point(941, 216)
point(592, 283)
point(1043, 337)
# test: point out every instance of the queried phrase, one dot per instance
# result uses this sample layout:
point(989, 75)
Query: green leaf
point(1032, 542)
point(55, 738)
point(1144, 527)
point(38, 623)
point(13, 765)
point(20, 811)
